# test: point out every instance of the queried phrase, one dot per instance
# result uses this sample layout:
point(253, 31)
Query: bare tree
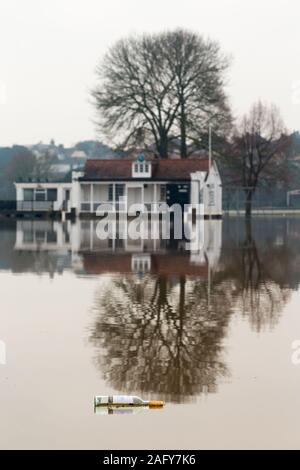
point(199, 68)
point(157, 86)
point(20, 167)
point(258, 151)
point(43, 164)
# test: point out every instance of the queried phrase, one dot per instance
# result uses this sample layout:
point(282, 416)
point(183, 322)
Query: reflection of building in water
point(42, 235)
point(43, 246)
point(148, 252)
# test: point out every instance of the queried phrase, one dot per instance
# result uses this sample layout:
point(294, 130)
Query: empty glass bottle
point(125, 400)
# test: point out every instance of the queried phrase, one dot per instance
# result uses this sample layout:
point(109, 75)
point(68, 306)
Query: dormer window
point(141, 168)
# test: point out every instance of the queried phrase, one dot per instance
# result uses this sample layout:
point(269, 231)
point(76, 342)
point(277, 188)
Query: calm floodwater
point(209, 330)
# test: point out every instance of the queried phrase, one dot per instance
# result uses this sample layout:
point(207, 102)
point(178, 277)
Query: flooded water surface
point(210, 327)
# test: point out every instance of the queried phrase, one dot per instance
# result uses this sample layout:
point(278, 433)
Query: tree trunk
point(163, 146)
point(183, 149)
point(248, 232)
point(248, 204)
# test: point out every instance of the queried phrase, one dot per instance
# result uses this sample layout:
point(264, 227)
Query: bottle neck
point(156, 404)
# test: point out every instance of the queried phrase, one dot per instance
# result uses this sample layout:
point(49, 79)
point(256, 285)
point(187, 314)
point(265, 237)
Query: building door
point(134, 195)
point(178, 194)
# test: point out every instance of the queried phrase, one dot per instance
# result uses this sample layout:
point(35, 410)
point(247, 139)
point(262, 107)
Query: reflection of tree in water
point(164, 335)
point(161, 336)
point(259, 292)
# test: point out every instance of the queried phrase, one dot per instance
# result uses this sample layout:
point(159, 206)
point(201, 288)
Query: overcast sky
point(49, 50)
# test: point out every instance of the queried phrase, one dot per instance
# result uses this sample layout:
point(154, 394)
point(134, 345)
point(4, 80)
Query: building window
point(140, 264)
point(110, 192)
point(201, 196)
point(51, 236)
point(52, 194)
point(141, 168)
point(85, 192)
point(163, 193)
point(40, 195)
point(28, 236)
point(211, 197)
point(28, 194)
point(40, 236)
point(120, 190)
point(119, 243)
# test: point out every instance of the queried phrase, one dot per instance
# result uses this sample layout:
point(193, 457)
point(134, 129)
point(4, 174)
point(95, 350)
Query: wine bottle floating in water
point(125, 400)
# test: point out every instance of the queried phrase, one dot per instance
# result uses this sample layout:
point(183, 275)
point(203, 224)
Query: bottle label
point(122, 399)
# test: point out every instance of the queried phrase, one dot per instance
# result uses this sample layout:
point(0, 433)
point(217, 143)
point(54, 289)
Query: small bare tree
point(43, 164)
point(258, 151)
point(20, 166)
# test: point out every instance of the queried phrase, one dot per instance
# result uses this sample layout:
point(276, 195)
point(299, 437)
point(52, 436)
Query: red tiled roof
point(175, 264)
point(121, 169)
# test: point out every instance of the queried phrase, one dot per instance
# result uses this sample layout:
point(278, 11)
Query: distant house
point(60, 168)
point(79, 154)
point(123, 182)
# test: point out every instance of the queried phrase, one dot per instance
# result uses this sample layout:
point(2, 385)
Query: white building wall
point(207, 192)
point(41, 227)
point(42, 205)
point(19, 192)
point(76, 193)
point(213, 241)
point(212, 193)
point(197, 195)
